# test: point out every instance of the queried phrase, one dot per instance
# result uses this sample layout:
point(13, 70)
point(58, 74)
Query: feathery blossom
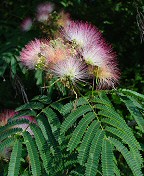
point(107, 75)
point(31, 55)
point(83, 34)
point(56, 51)
point(26, 24)
point(45, 7)
point(94, 55)
point(42, 17)
point(5, 115)
point(64, 19)
point(71, 68)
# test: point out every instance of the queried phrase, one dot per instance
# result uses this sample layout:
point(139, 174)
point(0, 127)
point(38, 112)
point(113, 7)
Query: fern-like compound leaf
point(107, 158)
point(79, 131)
point(86, 142)
point(68, 122)
point(6, 143)
point(14, 164)
point(9, 133)
point(132, 93)
point(67, 108)
point(53, 121)
point(124, 137)
point(133, 164)
point(33, 154)
point(43, 147)
point(48, 135)
point(94, 153)
point(31, 105)
point(139, 118)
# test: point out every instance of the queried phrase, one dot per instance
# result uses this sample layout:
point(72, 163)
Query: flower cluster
point(80, 53)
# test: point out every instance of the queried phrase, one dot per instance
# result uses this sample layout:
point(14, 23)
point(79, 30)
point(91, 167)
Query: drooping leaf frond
point(134, 111)
point(74, 116)
point(79, 131)
point(133, 164)
point(9, 133)
point(6, 143)
point(33, 154)
point(107, 158)
point(43, 147)
point(94, 153)
point(86, 142)
point(14, 164)
point(30, 105)
point(53, 121)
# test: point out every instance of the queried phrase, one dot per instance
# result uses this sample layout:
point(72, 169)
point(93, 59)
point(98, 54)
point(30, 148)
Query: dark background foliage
point(116, 19)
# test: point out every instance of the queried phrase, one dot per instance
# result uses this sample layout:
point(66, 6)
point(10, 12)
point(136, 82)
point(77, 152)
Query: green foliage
point(87, 134)
point(14, 163)
point(33, 153)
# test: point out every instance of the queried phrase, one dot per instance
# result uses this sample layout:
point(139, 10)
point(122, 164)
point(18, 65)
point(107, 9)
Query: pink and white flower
point(31, 55)
point(26, 24)
point(5, 115)
point(45, 7)
point(83, 34)
point(71, 68)
point(107, 76)
point(42, 17)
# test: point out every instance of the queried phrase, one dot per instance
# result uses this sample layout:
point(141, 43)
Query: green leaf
point(133, 164)
point(79, 131)
point(134, 111)
point(43, 148)
point(68, 122)
point(86, 142)
point(33, 154)
point(94, 154)
point(30, 105)
point(53, 121)
point(14, 164)
point(6, 143)
point(132, 93)
point(107, 158)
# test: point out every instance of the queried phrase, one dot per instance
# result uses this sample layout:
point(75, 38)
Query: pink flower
point(5, 115)
point(83, 34)
point(107, 76)
point(31, 55)
point(45, 7)
point(41, 17)
point(94, 55)
point(56, 51)
point(26, 24)
point(71, 69)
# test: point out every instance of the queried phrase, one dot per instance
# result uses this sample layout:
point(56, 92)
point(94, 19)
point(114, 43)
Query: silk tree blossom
point(71, 69)
point(5, 116)
point(45, 7)
point(31, 55)
point(26, 24)
point(107, 76)
point(94, 56)
point(83, 34)
point(42, 17)
point(57, 51)
point(43, 11)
